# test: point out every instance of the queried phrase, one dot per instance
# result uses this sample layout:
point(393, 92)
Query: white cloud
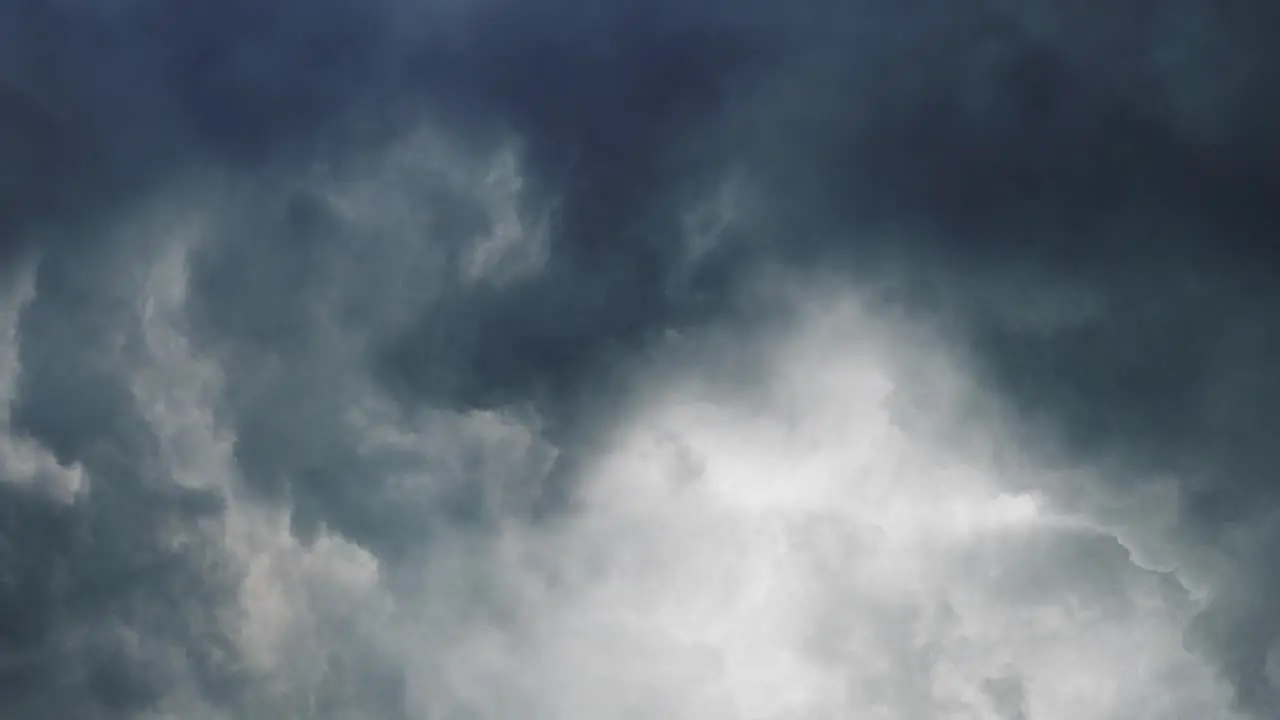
point(804, 557)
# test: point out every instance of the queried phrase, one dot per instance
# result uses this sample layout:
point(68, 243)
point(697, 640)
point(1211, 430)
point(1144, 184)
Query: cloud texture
point(491, 360)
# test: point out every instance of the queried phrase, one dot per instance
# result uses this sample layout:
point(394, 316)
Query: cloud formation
point(638, 360)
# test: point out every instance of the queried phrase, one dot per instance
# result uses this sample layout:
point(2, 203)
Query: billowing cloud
point(681, 360)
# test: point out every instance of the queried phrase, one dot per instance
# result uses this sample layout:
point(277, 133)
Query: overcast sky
point(639, 360)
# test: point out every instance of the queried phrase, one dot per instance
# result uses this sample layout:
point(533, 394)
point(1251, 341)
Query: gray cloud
point(487, 359)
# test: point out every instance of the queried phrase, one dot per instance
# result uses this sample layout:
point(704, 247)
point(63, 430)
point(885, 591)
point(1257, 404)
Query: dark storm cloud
point(421, 327)
point(1065, 163)
point(1071, 178)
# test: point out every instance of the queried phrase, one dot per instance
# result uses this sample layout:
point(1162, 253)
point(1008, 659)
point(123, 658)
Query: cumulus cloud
point(690, 360)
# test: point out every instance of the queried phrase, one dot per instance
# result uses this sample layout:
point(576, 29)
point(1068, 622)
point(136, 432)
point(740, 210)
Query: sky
point(580, 360)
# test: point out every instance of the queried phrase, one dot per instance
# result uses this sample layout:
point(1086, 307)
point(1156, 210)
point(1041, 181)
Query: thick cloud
point(571, 360)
